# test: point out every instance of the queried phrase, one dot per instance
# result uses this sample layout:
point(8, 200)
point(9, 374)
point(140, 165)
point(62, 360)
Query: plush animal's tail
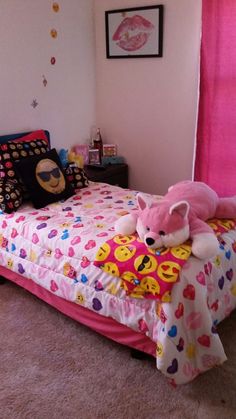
point(226, 208)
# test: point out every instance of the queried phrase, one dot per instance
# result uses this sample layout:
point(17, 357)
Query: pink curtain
point(215, 161)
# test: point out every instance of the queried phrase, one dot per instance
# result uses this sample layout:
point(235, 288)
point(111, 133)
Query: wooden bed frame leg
point(2, 280)
point(135, 353)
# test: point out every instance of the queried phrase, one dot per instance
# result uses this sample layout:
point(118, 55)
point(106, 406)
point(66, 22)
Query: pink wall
point(148, 106)
point(66, 105)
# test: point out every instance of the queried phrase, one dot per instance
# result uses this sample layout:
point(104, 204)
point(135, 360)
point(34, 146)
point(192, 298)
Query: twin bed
point(53, 252)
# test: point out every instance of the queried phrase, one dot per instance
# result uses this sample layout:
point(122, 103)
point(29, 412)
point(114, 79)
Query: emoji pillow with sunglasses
point(143, 272)
point(44, 178)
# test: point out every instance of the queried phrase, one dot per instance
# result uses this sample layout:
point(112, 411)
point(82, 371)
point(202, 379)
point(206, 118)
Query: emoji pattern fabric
point(148, 273)
point(145, 273)
point(55, 247)
point(17, 150)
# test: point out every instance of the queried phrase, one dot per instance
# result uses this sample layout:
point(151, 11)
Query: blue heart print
point(228, 254)
point(13, 247)
point(84, 278)
point(65, 235)
point(173, 331)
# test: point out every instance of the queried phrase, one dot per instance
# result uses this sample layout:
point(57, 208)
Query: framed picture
point(109, 150)
point(135, 32)
point(94, 156)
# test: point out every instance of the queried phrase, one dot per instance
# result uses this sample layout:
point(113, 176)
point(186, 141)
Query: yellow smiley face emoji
point(49, 176)
point(145, 264)
point(65, 225)
point(103, 252)
point(130, 277)
point(159, 349)
point(166, 298)
point(217, 261)
point(10, 263)
point(168, 271)
point(99, 225)
point(79, 298)
point(111, 268)
point(120, 239)
point(150, 285)
point(233, 290)
point(124, 253)
point(191, 351)
point(33, 256)
point(137, 292)
point(182, 251)
point(212, 225)
point(228, 224)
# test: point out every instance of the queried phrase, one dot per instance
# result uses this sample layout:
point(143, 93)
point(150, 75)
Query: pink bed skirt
point(106, 326)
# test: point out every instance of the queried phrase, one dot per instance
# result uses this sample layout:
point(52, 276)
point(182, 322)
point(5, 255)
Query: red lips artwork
point(133, 33)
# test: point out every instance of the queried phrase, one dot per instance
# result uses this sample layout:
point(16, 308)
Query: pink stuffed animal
point(178, 216)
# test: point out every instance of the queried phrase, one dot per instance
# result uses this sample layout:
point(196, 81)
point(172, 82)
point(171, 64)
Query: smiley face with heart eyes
point(49, 176)
point(120, 239)
point(168, 271)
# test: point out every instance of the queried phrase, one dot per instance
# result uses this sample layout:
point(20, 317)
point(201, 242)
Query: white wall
point(148, 106)
point(66, 106)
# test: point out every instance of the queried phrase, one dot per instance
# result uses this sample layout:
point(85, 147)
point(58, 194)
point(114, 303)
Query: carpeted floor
point(54, 368)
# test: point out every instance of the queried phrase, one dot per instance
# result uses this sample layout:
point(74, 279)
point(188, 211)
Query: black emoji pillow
point(44, 178)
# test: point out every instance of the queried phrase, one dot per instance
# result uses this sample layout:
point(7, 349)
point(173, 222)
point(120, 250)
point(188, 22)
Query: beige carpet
point(52, 367)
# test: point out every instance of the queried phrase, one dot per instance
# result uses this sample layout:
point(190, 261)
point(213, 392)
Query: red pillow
point(35, 135)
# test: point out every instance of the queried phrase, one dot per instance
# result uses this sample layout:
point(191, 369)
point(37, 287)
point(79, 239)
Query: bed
point(52, 253)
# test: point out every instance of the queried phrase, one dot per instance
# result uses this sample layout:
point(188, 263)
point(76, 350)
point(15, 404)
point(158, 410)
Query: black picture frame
point(135, 32)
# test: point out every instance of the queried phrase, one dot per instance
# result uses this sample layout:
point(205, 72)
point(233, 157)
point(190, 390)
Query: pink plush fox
point(178, 216)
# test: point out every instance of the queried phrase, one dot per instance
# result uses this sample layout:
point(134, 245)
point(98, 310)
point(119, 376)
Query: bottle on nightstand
point(98, 143)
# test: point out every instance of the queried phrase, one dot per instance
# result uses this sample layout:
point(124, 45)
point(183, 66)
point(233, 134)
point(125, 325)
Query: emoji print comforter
point(56, 247)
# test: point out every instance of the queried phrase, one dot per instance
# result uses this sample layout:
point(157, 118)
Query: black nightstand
point(114, 174)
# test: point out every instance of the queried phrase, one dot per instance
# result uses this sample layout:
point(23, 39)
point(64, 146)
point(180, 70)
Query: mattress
point(55, 248)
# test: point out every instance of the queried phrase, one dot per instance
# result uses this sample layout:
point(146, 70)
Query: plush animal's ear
point(143, 201)
point(181, 207)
